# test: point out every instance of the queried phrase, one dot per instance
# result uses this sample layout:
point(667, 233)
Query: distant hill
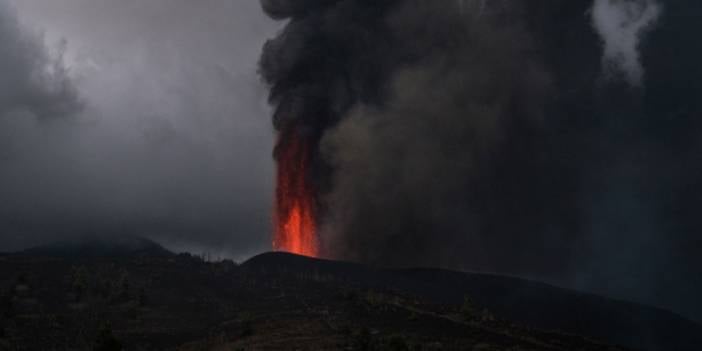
point(526, 302)
point(99, 246)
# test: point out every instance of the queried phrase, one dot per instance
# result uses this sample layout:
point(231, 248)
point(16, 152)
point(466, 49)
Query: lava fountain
point(295, 205)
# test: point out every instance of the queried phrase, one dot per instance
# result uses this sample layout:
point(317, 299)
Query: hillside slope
point(274, 302)
point(526, 302)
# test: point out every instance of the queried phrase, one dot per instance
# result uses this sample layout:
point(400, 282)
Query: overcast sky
point(167, 133)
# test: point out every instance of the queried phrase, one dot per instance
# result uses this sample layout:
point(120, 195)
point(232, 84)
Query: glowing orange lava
point(295, 223)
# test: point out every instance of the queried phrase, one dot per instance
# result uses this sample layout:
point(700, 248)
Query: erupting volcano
point(295, 222)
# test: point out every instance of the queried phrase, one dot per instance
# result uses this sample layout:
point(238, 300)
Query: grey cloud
point(32, 81)
point(172, 141)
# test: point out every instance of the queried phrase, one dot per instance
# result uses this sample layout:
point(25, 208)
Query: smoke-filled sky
point(154, 123)
point(148, 117)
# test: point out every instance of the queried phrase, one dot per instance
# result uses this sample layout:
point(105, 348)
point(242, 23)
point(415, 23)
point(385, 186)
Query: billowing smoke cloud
point(479, 135)
point(622, 25)
point(423, 112)
point(407, 174)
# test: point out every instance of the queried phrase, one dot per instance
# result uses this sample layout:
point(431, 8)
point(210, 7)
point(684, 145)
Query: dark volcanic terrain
point(145, 299)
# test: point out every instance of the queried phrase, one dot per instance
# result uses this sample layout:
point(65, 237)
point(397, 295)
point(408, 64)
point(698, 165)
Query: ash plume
point(479, 135)
point(412, 106)
point(407, 174)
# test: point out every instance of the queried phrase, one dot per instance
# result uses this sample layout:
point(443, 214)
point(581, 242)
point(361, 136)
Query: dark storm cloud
point(171, 142)
point(480, 135)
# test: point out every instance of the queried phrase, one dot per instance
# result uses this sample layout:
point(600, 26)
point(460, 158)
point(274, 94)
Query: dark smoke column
point(312, 85)
point(405, 127)
point(299, 120)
